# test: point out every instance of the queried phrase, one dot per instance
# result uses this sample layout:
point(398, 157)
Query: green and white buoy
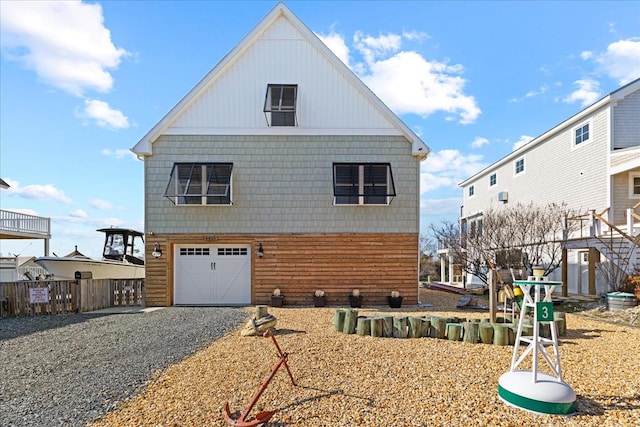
point(531, 390)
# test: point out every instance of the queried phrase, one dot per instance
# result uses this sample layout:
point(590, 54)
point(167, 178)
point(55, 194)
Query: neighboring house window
point(472, 190)
point(581, 134)
point(475, 228)
point(362, 184)
point(493, 179)
point(200, 184)
point(519, 166)
point(634, 186)
point(280, 105)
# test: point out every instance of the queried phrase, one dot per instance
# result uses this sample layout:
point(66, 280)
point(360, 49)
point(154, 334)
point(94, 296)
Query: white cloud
point(447, 168)
point(100, 204)
point(78, 213)
point(103, 115)
point(587, 93)
point(479, 142)
point(335, 42)
point(119, 153)
point(621, 60)
point(375, 47)
point(540, 91)
point(522, 141)
point(64, 42)
point(587, 54)
point(37, 192)
point(404, 80)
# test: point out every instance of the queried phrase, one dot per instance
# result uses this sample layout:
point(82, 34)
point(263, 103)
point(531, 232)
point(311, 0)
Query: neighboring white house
point(280, 169)
point(591, 162)
point(16, 225)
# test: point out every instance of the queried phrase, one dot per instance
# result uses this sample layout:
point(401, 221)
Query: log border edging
point(347, 320)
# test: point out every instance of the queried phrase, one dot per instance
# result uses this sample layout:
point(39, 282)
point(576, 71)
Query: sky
point(82, 82)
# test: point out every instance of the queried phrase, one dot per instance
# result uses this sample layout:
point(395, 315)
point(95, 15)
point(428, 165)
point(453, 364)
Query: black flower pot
point(355, 301)
point(319, 301)
point(394, 302)
point(277, 300)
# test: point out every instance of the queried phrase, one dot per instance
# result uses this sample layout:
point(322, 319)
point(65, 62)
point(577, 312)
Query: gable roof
point(610, 99)
point(144, 146)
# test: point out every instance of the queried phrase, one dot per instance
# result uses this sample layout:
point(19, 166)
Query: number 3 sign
point(544, 311)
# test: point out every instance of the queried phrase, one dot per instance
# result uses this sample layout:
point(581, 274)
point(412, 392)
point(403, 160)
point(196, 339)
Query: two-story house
point(280, 169)
point(591, 162)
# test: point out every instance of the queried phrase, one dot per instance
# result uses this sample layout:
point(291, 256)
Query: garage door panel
point(212, 275)
point(233, 277)
point(193, 276)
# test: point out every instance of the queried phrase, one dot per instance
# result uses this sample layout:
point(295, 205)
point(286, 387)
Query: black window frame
point(200, 184)
point(360, 184)
point(281, 105)
point(493, 179)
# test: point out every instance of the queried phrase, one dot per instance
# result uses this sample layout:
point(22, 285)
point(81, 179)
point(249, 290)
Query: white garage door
point(212, 275)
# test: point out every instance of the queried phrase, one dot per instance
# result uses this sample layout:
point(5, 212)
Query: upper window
point(200, 184)
point(519, 166)
point(493, 179)
point(634, 186)
point(581, 134)
point(472, 190)
point(280, 105)
point(362, 184)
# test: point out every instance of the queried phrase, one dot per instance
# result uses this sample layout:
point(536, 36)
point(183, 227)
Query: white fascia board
point(539, 140)
point(633, 163)
point(418, 147)
point(284, 130)
point(143, 147)
point(606, 101)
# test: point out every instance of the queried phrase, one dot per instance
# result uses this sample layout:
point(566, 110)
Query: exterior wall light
point(157, 252)
point(260, 251)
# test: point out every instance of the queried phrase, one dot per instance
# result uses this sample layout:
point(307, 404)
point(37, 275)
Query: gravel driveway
point(69, 369)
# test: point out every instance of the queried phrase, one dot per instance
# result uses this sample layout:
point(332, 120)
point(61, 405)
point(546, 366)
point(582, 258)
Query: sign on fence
point(38, 295)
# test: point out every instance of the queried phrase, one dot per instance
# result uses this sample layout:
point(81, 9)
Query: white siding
point(326, 99)
point(282, 184)
point(554, 172)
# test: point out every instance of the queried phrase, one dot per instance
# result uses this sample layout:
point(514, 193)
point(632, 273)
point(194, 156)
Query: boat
point(122, 258)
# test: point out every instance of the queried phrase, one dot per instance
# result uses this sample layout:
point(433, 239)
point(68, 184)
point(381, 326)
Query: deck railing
point(40, 297)
point(24, 224)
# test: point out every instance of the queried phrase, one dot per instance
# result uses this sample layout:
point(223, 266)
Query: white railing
point(20, 223)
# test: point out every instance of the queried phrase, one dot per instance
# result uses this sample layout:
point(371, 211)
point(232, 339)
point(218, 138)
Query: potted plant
point(355, 299)
point(277, 298)
point(319, 300)
point(395, 300)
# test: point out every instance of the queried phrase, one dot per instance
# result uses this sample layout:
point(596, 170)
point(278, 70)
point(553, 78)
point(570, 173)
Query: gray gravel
point(66, 370)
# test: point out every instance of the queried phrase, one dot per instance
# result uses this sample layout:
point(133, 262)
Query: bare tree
point(533, 233)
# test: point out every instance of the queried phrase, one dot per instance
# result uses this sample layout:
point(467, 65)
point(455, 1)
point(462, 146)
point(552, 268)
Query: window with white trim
point(493, 179)
point(634, 186)
point(581, 134)
point(280, 105)
point(362, 184)
point(472, 190)
point(519, 166)
point(200, 184)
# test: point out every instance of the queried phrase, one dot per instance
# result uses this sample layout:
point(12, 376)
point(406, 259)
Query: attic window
point(200, 184)
point(280, 105)
point(362, 184)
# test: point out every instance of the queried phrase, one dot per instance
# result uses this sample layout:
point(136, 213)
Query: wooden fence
point(39, 297)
